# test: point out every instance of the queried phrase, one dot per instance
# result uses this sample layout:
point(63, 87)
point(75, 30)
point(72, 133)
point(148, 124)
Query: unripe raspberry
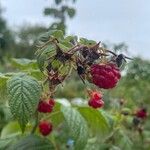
point(96, 103)
point(136, 121)
point(95, 99)
point(44, 107)
point(45, 128)
point(96, 95)
point(105, 76)
point(141, 113)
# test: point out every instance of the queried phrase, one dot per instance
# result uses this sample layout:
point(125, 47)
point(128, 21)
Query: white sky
point(103, 20)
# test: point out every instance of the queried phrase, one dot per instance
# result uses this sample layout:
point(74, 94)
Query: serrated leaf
point(24, 63)
point(63, 46)
point(33, 142)
point(44, 54)
point(57, 34)
point(87, 42)
point(66, 44)
point(36, 73)
point(96, 120)
point(41, 60)
point(24, 94)
point(3, 88)
point(77, 126)
point(72, 39)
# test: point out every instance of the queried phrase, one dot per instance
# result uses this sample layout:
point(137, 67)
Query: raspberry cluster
point(105, 76)
point(96, 100)
point(46, 127)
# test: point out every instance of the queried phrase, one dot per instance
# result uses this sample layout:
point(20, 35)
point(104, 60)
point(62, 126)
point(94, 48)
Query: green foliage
point(24, 94)
point(135, 82)
point(61, 11)
point(3, 91)
point(33, 142)
point(24, 63)
point(96, 120)
point(77, 126)
point(85, 41)
point(26, 37)
point(10, 130)
point(5, 143)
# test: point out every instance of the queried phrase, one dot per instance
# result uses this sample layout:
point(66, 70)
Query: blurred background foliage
point(133, 88)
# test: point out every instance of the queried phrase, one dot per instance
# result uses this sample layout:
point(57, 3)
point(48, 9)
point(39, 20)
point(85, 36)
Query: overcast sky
point(103, 20)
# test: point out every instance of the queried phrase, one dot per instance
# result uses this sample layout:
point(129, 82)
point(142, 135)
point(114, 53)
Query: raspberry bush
point(41, 121)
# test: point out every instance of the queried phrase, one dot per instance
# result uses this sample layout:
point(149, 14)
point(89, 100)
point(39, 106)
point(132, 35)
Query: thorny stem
point(36, 123)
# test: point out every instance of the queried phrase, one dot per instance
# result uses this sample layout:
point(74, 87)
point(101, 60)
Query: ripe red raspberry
point(96, 103)
point(45, 128)
point(105, 76)
point(141, 113)
point(44, 107)
point(51, 102)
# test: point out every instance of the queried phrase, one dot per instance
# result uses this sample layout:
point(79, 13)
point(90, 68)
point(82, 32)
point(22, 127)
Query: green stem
point(36, 123)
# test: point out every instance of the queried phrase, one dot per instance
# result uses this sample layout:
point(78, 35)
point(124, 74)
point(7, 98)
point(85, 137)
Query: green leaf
point(66, 43)
point(5, 143)
point(44, 54)
point(58, 1)
point(71, 12)
point(33, 142)
point(3, 88)
point(24, 94)
point(24, 63)
point(41, 60)
point(71, 39)
point(56, 117)
point(57, 34)
point(96, 120)
point(36, 73)
point(11, 129)
point(50, 11)
point(63, 46)
point(87, 42)
point(77, 126)
point(124, 141)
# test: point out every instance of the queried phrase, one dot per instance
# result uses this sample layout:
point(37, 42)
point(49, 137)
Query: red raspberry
point(45, 128)
point(105, 76)
point(96, 95)
point(44, 107)
point(96, 103)
point(141, 113)
point(51, 102)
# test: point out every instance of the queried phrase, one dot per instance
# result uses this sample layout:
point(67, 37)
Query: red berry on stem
point(141, 113)
point(96, 95)
point(45, 128)
point(51, 102)
point(105, 76)
point(96, 103)
point(44, 107)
